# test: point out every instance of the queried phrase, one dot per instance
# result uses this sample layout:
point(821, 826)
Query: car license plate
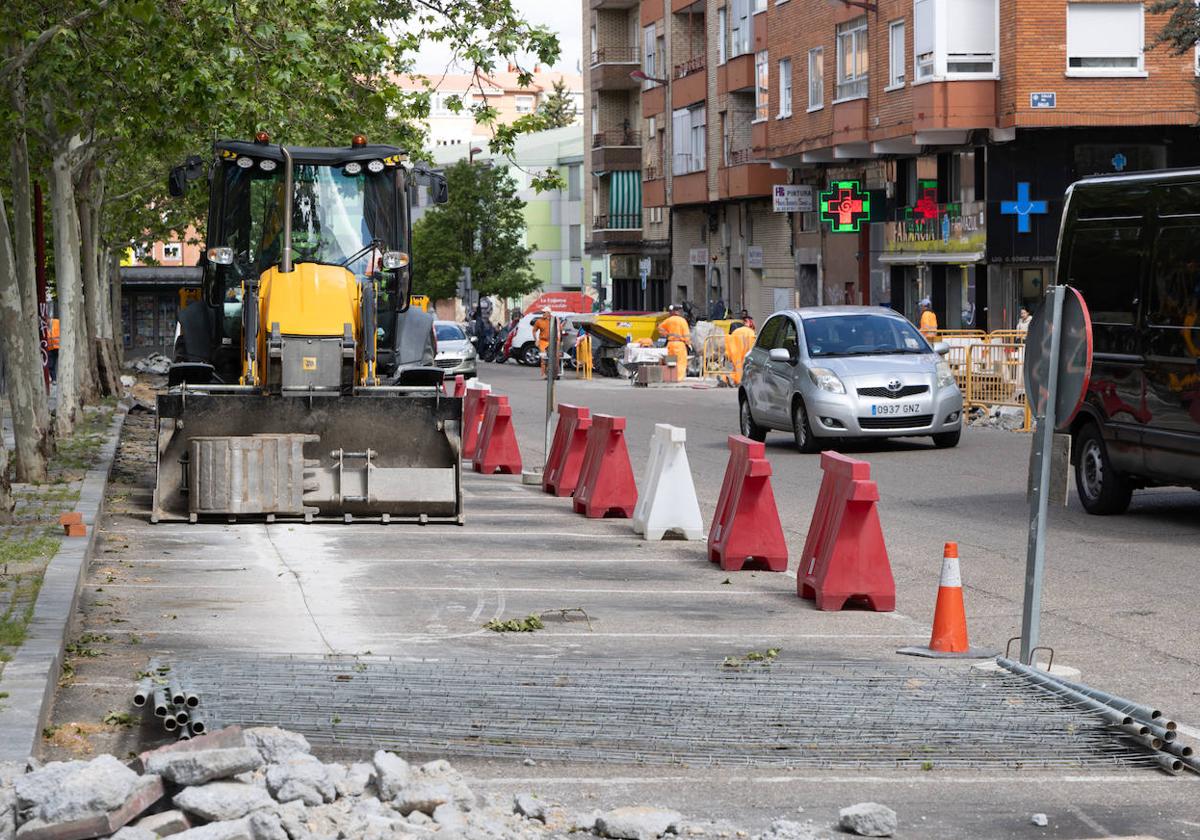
point(894, 409)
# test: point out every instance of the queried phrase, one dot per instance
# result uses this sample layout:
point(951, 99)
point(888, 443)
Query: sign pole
point(552, 354)
point(1035, 559)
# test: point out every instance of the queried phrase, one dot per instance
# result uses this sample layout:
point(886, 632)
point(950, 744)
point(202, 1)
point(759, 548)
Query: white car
point(456, 354)
point(524, 344)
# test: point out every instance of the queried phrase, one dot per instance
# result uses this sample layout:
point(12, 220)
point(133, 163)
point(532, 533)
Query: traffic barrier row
point(566, 452)
point(845, 557)
point(746, 523)
point(606, 486)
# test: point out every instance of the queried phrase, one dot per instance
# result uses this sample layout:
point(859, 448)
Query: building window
point(524, 104)
point(759, 6)
point(1105, 39)
point(816, 78)
point(896, 62)
point(722, 35)
point(687, 139)
point(955, 39)
point(172, 252)
point(649, 56)
point(575, 232)
point(785, 87)
point(762, 86)
point(852, 59)
point(574, 179)
point(742, 29)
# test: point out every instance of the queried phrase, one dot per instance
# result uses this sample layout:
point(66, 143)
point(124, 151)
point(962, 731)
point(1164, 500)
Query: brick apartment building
point(934, 139)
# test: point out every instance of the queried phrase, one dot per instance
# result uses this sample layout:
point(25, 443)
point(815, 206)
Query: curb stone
point(32, 675)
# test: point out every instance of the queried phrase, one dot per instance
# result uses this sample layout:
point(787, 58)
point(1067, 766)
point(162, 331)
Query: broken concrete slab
point(217, 801)
point(275, 744)
point(165, 823)
point(868, 819)
point(144, 792)
point(200, 766)
point(301, 776)
point(391, 773)
point(639, 822)
point(225, 738)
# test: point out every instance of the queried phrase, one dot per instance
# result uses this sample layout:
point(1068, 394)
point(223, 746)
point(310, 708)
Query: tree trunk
point(21, 355)
point(26, 256)
point(70, 289)
point(6, 498)
point(88, 198)
point(114, 314)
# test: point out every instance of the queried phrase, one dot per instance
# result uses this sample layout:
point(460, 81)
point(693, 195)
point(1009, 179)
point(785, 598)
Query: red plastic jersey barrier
point(460, 387)
point(567, 450)
point(844, 556)
point(746, 523)
point(606, 486)
point(497, 450)
point(472, 418)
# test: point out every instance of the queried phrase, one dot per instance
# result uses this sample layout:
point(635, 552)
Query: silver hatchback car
point(847, 372)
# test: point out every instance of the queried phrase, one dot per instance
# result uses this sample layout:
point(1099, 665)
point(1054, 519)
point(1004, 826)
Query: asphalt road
point(183, 592)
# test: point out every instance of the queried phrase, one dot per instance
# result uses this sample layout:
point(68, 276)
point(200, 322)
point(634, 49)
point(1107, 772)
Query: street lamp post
point(474, 150)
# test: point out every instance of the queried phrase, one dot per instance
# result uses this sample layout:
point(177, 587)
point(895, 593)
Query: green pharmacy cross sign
point(845, 206)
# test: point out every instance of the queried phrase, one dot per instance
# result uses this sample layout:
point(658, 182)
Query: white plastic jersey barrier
point(668, 501)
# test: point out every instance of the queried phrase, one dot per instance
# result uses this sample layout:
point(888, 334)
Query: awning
point(625, 200)
point(932, 258)
point(161, 275)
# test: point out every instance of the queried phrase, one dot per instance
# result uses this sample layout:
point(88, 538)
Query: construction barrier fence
point(988, 367)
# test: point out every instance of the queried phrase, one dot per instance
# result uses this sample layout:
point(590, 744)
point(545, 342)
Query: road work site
point(545, 652)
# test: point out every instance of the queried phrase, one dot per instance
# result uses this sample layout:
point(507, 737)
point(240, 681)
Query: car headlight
point(826, 380)
point(945, 376)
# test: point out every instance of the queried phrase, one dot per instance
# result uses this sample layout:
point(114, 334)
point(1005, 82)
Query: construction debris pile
point(265, 784)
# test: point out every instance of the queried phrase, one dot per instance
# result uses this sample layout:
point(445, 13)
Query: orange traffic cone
point(949, 637)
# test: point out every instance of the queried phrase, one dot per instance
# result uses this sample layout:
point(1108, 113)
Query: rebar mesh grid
point(786, 714)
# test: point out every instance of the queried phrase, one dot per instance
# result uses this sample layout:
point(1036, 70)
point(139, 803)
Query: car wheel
point(749, 428)
point(802, 431)
point(529, 355)
point(947, 440)
point(1101, 488)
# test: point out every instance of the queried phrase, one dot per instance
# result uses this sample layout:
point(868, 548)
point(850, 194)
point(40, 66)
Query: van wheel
point(802, 431)
point(1102, 489)
point(749, 428)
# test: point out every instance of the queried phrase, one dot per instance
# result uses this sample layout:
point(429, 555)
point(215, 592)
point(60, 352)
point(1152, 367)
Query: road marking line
point(567, 563)
point(265, 584)
point(377, 638)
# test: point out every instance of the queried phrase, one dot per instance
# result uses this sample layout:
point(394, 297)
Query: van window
point(1110, 201)
point(1175, 289)
point(1179, 200)
point(1106, 264)
point(770, 335)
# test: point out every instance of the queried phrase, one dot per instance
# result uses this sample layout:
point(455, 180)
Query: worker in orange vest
point(928, 324)
point(675, 329)
point(52, 342)
point(737, 345)
point(541, 331)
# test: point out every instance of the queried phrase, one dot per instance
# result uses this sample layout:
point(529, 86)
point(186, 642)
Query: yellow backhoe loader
point(303, 383)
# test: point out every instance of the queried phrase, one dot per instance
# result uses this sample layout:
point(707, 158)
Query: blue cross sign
point(1023, 207)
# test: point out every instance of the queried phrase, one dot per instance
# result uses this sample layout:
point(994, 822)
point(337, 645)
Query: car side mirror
point(474, 339)
point(177, 182)
point(440, 189)
point(941, 348)
point(778, 354)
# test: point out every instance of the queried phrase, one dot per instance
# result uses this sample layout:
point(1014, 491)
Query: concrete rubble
point(265, 784)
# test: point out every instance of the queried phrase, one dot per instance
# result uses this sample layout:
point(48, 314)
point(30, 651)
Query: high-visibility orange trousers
point(678, 349)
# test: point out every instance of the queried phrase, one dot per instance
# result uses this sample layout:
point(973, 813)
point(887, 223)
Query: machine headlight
point(945, 376)
point(826, 380)
point(394, 259)
point(220, 255)
point(245, 162)
point(352, 168)
point(267, 165)
point(375, 166)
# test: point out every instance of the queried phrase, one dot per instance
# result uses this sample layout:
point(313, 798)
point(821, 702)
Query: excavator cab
point(303, 382)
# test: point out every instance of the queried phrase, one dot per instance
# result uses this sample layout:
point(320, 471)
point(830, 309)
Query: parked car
point(523, 346)
point(1131, 245)
point(832, 372)
point(456, 352)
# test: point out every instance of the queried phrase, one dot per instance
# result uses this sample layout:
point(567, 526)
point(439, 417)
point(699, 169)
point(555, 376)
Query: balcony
point(958, 105)
point(691, 83)
point(687, 7)
point(691, 188)
point(620, 149)
point(654, 188)
point(654, 100)
point(746, 176)
point(737, 74)
point(624, 228)
point(597, 5)
point(850, 121)
point(611, 67)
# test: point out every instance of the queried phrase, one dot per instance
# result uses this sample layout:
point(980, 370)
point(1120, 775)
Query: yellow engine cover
point(314, 301)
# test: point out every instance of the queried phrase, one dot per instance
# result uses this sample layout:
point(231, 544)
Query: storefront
point(151, 298)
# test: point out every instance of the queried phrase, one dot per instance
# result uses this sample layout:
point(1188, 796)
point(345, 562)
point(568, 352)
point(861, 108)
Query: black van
point(1131, 245)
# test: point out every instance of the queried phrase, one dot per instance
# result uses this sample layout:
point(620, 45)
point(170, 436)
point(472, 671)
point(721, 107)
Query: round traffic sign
point(1074, 358)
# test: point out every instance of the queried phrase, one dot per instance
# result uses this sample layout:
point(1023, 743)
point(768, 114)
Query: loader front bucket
point(388, 454)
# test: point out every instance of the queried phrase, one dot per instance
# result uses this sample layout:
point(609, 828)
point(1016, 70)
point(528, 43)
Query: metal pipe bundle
point(143, 692)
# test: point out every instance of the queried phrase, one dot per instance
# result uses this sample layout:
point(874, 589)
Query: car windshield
point(861, 335)
point(450, 332)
